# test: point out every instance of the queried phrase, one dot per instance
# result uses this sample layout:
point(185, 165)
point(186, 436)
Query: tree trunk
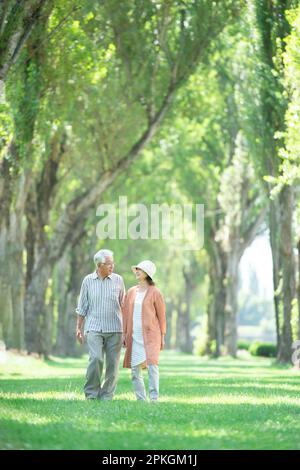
point(6, 310)
point(179, 326)
point(71, 346)
point(6, 191)
point(39, 264)
point(274, 104)
point(16, 179)
point(48, 327)
point(169, 314)
point(35, 311)
point(61, 279)
point(231, 307)
point(274, 223)
point(11, 264)
point(71, 270)
point(12, 283)
point(80, 259)
point(16, 270)
point(286, 198)
point(217, 300)
point(187, 345)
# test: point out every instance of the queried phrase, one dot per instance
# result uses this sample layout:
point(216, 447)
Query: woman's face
point(140, 274)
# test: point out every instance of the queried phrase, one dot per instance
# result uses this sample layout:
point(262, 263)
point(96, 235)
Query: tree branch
point(21, 27)
point(77, 209)
point(4, 13)
point(251, 232)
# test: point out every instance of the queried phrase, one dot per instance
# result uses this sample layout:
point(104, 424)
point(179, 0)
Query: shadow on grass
point(224, 413)
point(183, 386)
point(123, 424)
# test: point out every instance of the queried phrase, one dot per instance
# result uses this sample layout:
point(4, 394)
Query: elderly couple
point(112, 318)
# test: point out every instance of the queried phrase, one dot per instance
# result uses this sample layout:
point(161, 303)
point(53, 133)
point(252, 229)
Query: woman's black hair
point(150, 281)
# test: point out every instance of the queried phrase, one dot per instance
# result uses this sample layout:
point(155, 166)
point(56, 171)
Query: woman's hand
point(124, 341)
point(162, 346)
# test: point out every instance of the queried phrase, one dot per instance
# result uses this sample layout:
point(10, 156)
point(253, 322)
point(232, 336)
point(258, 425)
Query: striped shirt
point(100, 301)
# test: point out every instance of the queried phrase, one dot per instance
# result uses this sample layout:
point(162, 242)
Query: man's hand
point(79, 335)
point(124, 341)
point(162, 342)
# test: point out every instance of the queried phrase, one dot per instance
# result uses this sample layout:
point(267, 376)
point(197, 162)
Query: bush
point(263, 349)
point(243, 344)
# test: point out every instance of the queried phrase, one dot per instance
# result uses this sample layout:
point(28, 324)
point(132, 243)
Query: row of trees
point(162, 102)
point(250, 72)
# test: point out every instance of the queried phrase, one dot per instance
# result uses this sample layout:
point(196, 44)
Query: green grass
point(247, 403)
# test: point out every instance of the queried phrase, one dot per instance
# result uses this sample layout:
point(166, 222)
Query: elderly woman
point(144, 329)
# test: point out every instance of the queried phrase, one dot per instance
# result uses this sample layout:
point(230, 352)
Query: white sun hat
point(147, 266)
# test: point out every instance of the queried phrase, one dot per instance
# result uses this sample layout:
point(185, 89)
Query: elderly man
point(99, 309)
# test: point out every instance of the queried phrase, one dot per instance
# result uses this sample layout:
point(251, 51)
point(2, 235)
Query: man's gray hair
point(101, 255)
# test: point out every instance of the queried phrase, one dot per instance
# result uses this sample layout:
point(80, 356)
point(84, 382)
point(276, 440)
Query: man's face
point(107, 267)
